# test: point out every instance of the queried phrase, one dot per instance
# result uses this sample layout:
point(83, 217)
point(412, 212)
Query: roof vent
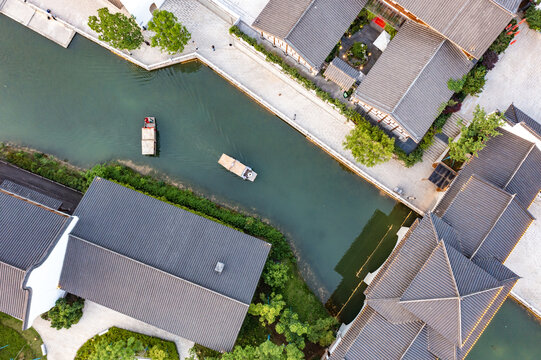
point(219, 267)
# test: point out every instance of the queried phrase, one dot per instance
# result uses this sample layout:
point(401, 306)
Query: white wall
point(44, 279)
point(140, 9)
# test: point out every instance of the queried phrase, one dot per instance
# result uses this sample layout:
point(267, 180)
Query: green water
point(86, 105)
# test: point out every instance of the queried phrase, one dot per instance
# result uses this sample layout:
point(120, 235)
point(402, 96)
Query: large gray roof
point(341, 73)
point(509, 162)
point(409, 80)
point(28, 230)
point(151, 295)
point(311, 27)
point(30, 194)
point(164, 247)
point(471, 24)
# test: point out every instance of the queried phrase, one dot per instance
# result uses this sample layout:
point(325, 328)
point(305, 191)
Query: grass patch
point(27, 344)
point(115, 334)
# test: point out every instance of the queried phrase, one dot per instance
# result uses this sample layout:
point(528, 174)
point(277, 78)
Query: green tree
point(369, 144)
point(322, 332)
point(118, 350)
point(265, 351)
point(170, 35)
point(116, 29)
point(456, 85)
point(276, 275)
point(533, 17)
point(292, 328)
point(65, 313)
point(268, 312)
point(473, 137)
point(157, 353)
point(360, 51)
point(475, 81)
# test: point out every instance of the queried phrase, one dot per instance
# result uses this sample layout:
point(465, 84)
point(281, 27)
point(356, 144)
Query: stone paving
point(525, 261)
point(63, 344)
point(37, 20)
point(516, 78)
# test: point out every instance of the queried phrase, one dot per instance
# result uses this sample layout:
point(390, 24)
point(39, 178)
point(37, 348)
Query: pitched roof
point(311, 27)
point(514, 115)
point(409, 80)
point(154, 242)
point(151, 295)
point(495, 230)
point(510, 5)
point(278, 17)
point(321, 27)
point(30, 194)
point(28, 230)
point(471, 24)
point(504, 157)
point(341, 73)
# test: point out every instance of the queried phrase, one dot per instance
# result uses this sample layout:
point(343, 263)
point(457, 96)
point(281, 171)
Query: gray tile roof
point(150, 244)
point(471, 24)
point(409, 80)
point(498, 163)
point(321, 27)
point(510, 5)
point(30, 194)
point(151, 295)
point(440, 346)
point(418, 349)
point(171, 239)
point(28, 230)
point(341, 73)
point(514, 115)
point(495, 230)
point(278, 17)
point(496, 269)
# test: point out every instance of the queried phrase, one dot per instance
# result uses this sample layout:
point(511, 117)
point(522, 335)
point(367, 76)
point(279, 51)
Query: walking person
point(213, 48)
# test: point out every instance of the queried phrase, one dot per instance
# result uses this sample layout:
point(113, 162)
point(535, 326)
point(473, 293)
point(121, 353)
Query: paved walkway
point(63, 344)
point(37, 20)
point(525, 261)
point(516, 78)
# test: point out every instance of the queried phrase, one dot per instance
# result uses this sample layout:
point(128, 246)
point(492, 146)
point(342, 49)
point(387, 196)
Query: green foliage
point(533, 17)
point(170, 35)
point(360, 21)
point(157, 347)
point(322, 332)
point(118, 350)
point(117, 29)
point(268, 311)
point(473, 137)
point(276, 275)
point(265, 351)
point(359, 51)
point(456, 85)
point(292, 328)
point(22, 344)
point(502, 41)
point(369, 144)
point(66, 312)
point(475, 81)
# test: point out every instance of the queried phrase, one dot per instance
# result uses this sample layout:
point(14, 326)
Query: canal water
point(86, 105)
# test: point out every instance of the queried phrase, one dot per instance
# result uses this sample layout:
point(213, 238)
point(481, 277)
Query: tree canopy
point(473, 137)
point(65, 313)
point(118, 350)
point(117, 29)
point(369, 144)
point(170, 35)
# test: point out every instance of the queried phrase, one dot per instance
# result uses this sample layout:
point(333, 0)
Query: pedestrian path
point(38, 20)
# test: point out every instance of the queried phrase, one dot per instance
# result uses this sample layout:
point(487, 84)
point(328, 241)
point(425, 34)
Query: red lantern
point(515, 27)
point(508, 26)
point(521, 21)
point(518, 32)
point(512, 42)
point(509, 33)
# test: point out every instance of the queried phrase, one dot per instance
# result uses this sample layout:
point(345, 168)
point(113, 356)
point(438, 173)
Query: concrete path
point(38, 20)
point(516, 78)
point(525, 261)
point(63, 344)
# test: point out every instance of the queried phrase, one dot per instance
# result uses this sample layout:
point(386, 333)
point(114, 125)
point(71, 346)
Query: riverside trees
point(170, 35)
point(117, 29)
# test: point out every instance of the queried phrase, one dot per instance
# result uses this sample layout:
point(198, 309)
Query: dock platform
point(38, 20)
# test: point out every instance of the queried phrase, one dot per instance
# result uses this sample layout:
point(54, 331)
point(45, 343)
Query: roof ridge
point(424, 300)
point(520, 164)
point(35, 203)
point(456, 289)
point(483, 291)
point(156, 269)
point(412, 341)
point(299, 19)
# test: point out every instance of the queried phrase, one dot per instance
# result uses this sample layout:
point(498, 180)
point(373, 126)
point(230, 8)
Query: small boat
point(148, 136)
point(237, 168)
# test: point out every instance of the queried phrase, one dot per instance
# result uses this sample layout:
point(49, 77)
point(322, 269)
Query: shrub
point(292, 328)
point(475, 80)
point(533, 17)
point(265, 351)
point(268, 312)
point(118, 350)
point(170, 35)
point(117, 29)
point(276, 275)
point(359, 51)
point(65, 313)
point(473, 137)
point(456, 85)
point(502, 41)
point(489, 60)
point(322, 332)
point(369, 144)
